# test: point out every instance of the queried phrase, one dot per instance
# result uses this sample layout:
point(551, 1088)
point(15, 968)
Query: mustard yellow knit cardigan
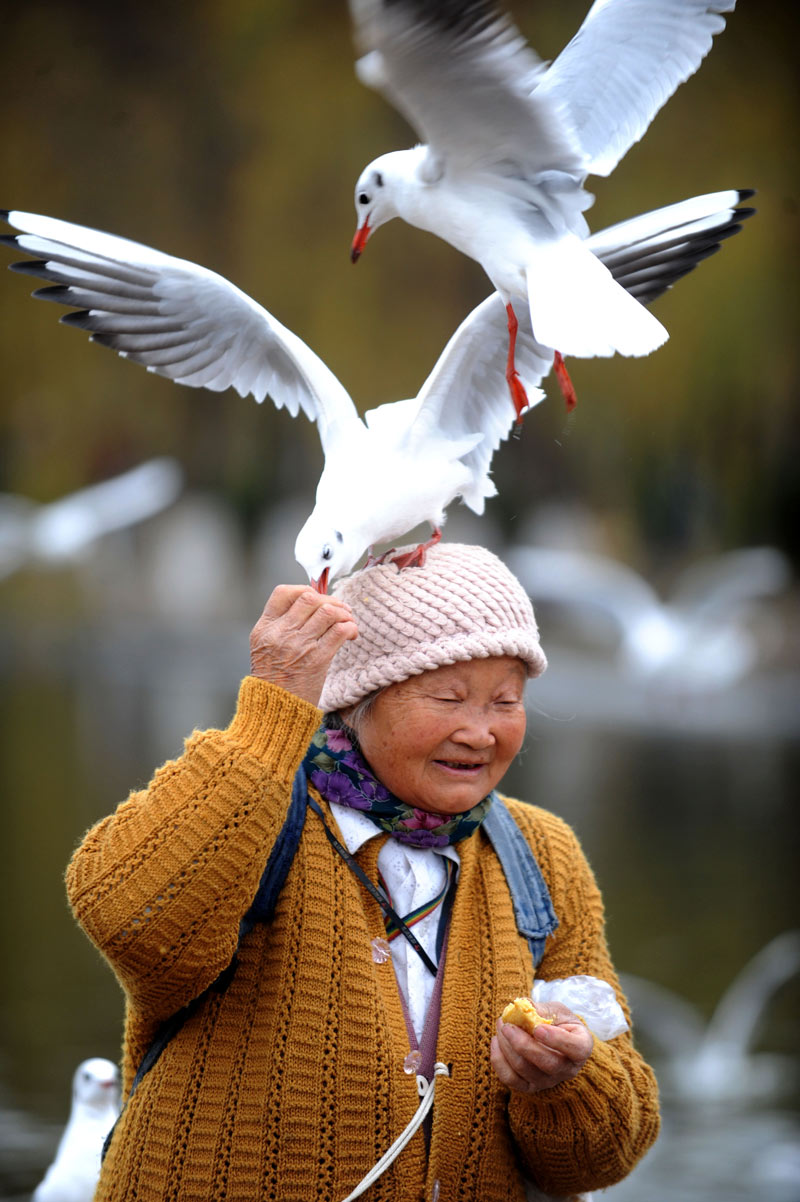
point(291, 1085)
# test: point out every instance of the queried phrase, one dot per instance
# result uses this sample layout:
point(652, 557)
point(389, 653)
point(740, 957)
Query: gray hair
point(350, 719)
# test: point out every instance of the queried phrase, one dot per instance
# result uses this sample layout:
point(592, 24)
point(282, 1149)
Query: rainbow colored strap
point(392, 930)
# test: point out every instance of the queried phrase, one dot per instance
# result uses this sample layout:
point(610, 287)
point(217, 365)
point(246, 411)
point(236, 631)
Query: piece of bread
point(522, 1013)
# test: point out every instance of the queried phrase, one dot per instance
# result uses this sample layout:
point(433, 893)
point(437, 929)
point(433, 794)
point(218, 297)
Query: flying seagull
point(407, 460)
point(64, 531)
point(507, 145)
point(73, 1175)
point(700, 640)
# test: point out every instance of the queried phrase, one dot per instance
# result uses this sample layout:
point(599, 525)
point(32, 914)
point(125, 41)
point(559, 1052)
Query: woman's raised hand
point(297, 636)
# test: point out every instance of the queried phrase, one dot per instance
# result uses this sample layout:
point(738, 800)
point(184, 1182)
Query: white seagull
point(73, 1175)
point(403, 464)
point(64, 531)
point(509, 142)
point(697, 642)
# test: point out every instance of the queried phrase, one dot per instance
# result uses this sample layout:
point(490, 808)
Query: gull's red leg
point(373, 562)
point(564, 382)
point(518, 394)
point(416, 558)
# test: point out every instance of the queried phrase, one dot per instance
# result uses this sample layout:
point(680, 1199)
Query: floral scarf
point(338, 770)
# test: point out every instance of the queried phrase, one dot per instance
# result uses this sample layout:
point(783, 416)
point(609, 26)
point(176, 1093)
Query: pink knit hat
point(462, 604)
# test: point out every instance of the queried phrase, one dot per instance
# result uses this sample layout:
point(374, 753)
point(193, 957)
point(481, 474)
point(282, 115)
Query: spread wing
point(466, 80)
point(623, 64)
point(582, 579)
point(467, 392)
point(176, 318)
point(647, 254)
point(62, 529)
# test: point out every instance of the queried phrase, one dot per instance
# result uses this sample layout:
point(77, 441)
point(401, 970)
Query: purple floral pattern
point(340, 774)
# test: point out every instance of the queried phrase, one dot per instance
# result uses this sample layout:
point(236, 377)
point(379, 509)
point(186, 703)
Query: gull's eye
point(363, 199)
point(327, 552)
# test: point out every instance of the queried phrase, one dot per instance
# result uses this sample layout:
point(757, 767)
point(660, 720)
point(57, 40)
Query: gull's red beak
point(321, 585)
point(360, 241)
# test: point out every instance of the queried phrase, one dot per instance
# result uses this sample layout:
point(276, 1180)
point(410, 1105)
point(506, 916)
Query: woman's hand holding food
point(297, 636)
point(553, 1052)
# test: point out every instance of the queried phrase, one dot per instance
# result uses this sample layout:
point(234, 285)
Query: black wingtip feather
point(109, 340)
point(59, 294)
point(34, 267)
point(746, 193)
point(454, 18)
point(4, 213)
point(82, 319)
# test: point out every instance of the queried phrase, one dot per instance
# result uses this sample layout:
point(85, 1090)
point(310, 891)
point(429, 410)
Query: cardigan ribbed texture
point(291, 1085)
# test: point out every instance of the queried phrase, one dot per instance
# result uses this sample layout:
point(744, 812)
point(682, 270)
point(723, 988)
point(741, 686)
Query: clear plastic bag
point(591, 999)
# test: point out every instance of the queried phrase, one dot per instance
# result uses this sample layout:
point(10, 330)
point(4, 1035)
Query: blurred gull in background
point(66, 531)
point(717, 1063)
point(699, 641)
point(73, 1175)
point(509, 142)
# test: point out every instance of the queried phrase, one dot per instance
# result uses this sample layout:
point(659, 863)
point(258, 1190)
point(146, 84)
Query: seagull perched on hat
point(508, 143)
point(405, 463)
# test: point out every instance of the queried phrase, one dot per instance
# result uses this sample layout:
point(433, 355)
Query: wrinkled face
point(442, 740)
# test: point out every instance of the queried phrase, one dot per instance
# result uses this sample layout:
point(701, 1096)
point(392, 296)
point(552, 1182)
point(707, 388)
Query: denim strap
point(533, 909)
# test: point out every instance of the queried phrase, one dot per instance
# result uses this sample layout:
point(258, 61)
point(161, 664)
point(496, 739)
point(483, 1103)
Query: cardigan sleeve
point(587, 1133)
point(161, 885)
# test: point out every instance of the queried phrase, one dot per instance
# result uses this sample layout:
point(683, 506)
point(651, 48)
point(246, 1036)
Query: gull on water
point(64, 531)
point(407, 460)
point(508, 143)
point(73, 1175)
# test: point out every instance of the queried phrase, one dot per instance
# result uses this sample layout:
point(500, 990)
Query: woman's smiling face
point(442, 740)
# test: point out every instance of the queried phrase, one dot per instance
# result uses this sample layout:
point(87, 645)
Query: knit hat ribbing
point(463, 604)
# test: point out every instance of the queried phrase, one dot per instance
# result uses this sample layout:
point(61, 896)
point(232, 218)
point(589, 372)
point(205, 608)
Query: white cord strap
point(425, 1089)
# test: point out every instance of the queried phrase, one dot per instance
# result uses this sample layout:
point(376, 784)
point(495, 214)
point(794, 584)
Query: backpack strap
point(261, 910)
point(280, 858)
point(533, 908)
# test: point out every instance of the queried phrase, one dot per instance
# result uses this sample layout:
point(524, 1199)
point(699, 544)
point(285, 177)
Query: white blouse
point(413, 875)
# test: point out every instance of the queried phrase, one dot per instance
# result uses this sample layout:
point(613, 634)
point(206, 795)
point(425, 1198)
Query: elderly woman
point(394, 946)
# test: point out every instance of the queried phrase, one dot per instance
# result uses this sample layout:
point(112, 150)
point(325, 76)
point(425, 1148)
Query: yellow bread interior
point(522, 1013)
